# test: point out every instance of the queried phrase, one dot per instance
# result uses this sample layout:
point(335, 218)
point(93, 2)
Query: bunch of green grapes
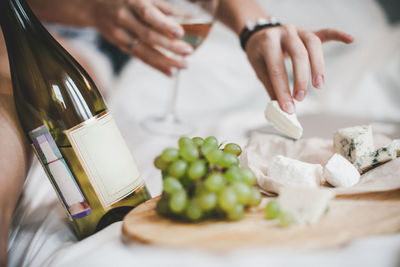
point(201, 181)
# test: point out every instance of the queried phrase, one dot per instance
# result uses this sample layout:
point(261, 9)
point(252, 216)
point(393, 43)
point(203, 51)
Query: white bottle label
point(106, 159)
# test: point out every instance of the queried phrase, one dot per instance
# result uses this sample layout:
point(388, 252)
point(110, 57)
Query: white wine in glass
point(199, 16)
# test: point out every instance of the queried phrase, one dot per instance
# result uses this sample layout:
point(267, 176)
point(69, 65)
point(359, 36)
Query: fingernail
point(289, 107)
point(300, 95)
point(187, 50)
point(319, 81)
point(177, 32)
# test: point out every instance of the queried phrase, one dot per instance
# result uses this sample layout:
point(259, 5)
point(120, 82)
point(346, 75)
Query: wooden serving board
point(349, 218)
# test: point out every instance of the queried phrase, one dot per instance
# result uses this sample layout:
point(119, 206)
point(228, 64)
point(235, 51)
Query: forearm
point(68, 12)
point(235, 13)
point(14, 155)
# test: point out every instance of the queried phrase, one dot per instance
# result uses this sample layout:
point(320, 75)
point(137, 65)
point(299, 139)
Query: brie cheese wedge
point(282, 121)
point(339, 172)
point(305, 205)
point(292, 172)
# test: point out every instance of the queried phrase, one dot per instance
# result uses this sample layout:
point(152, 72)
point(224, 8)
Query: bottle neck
point(15, 13)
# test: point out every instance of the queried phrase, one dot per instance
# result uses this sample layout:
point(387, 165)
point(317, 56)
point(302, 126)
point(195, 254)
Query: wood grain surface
point(349, 218)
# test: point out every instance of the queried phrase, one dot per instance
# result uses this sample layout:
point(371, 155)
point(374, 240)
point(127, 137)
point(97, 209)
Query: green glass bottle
point(71, 130)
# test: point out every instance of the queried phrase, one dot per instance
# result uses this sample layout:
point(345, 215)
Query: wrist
point(252, 28)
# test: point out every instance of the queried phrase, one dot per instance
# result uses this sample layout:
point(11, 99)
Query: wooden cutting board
point(349, 218)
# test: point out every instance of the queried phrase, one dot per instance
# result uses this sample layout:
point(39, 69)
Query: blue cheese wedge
point(354, 142)
point(376, 158)
point(395, 145)
point(339, 172)
point(305, 205)
point(291, 172)
point(282, 121)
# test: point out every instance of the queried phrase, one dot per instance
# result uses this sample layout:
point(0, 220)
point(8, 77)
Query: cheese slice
point(339, 172)
point(305, 205)
point(282, 121)
point(291, 172)
point(354, 142)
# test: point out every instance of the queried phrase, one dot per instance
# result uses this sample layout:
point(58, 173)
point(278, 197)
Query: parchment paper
point(262, 147)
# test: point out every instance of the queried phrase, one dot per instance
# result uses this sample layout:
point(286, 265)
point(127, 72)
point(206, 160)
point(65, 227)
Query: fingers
point(147, 54)
point(274, 60)
point(169, 9)
point(148, 35)
point(326, 35)
point(299, 56)
point(152, 16)
point(314, 47)
point(260, 68)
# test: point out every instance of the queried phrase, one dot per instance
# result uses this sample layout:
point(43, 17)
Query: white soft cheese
point(282, 121)
point(354, 142)
point(289, 172)
point(305, 205)
point(339, 172)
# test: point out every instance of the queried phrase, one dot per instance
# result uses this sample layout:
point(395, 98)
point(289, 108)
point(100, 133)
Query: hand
point(138, 27)
point(267, 49)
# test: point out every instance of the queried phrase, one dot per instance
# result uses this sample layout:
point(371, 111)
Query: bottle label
point(59, 173)
point(106, 158)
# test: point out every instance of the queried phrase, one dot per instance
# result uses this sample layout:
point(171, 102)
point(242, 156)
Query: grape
point(255, 197)
point(228, 159)
point(236, 213)
point(233, 174)
point(177, 168)
point(198, 141)
point(243, 192)
point(160, 164)
point(285, 219)
point(186, 181)
point(171, 185)
point(211, 141)
point(170, 155)
point(227, 199)
point(213, 155)
point(205, 149)
point(233, 149)
point(272, 210)
point(207, 201)
point(197, 169)
point(193, 210)
point(214, 182)
point(247, 176)
point(178, 201)
point(200, 189)
point(185, 141)
point(163, 206)
point(189, 153)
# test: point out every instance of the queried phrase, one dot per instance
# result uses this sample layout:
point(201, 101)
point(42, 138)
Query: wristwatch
point(253, 27)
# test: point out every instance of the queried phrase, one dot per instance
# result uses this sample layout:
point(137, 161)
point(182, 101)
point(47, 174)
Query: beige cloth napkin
point(262, 147)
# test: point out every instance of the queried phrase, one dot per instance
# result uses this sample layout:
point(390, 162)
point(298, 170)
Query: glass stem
point(170, 112)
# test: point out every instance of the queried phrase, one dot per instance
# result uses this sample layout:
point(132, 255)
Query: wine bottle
point(72, 132)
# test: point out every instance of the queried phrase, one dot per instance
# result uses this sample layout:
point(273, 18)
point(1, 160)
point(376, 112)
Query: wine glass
point(196, 17)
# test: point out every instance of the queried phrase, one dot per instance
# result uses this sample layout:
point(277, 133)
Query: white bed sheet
point(222, 97)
